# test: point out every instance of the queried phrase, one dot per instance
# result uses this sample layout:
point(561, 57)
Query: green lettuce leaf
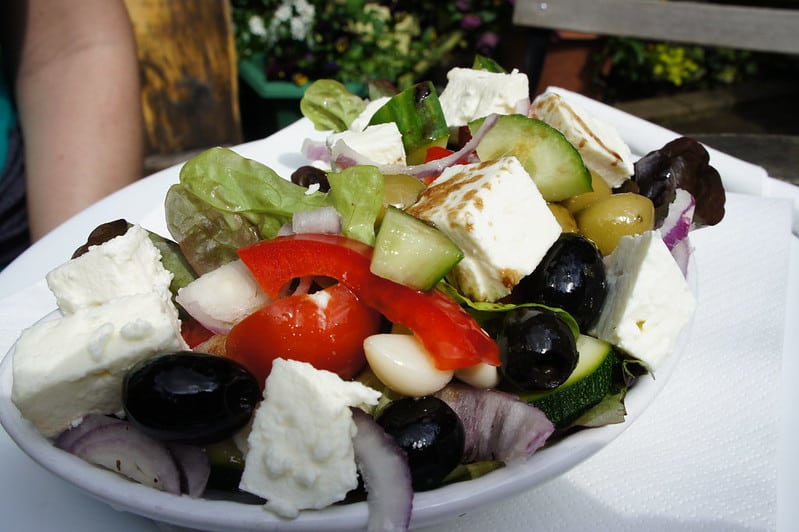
point(357, 194)
point(225, 201)
point(330, 105)
point(231, 183)
point(208, 237)
point(485, 313)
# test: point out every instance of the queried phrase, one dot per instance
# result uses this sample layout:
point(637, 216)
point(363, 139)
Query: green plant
point(632, 68)
point(403, 41)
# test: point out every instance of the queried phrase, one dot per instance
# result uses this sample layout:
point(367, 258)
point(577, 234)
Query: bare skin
point(74, 71)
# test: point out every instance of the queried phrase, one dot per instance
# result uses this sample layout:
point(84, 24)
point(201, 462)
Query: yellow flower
point(300, 78)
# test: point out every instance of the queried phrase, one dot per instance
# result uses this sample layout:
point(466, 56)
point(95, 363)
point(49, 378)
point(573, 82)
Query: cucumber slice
point(419, 117)
point(412, 252)
point(555, 165)
point(586, 387)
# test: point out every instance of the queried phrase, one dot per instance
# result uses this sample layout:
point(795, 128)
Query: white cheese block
point(495, 214)
point(125, 265)
point(74, 365)
point(299, 451)
point(648, 302)
point(377, 144)
point(600, 145)
point(362, 120)
point(471, 94)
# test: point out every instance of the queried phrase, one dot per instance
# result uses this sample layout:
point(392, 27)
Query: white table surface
point(33, 499)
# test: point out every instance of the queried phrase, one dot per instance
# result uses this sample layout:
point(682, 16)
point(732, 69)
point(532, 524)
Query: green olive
point(599, 190)
point(607, 220)
point(564, 217)
point(401, 190)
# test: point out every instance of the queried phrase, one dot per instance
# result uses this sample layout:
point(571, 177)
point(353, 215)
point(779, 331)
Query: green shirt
point(8, 118)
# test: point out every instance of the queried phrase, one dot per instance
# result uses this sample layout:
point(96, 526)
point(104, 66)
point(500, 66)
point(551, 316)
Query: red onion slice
point(676, 227)
point(221, 298)
point(319, 220)
point(66, 440)
point(498, 425)
point(194, 468)
point(385, 473)
point(682, 254)
point(121, 448)
point(677, 224)
point(315, 150)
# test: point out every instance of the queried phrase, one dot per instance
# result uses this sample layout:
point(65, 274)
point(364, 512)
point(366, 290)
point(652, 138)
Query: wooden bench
point(728, 25)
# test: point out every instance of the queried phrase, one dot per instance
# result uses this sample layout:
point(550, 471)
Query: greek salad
point(457, 278)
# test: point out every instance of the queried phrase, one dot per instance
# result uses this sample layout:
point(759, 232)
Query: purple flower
point(471, 22)
point(487, 42)
point(463, 5)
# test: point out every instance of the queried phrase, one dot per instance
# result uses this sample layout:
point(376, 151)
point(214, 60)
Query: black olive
point(189, 397)
point(430, 433)
point(537, 349)
point(571, 276)
point(307, 175)
point(101, 234)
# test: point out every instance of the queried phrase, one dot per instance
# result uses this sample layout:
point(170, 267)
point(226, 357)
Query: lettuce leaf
point(225, 201)
point(330, 105)
point(357, 194)
point(485, 313)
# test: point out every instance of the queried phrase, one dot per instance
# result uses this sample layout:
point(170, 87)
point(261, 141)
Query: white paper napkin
point(703, 455)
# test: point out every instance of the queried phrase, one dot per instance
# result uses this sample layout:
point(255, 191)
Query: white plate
point(280, 153)
point(429, 507)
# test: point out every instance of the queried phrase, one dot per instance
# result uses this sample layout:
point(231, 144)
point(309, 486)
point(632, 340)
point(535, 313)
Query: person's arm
point(78, 99)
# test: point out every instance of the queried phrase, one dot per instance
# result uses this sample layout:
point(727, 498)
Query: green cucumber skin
point(411, 252)
point(588, 385)
point(554, 164)
point(418, 115)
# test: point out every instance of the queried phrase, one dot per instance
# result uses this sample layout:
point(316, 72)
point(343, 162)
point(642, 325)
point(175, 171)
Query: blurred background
point(236, 70)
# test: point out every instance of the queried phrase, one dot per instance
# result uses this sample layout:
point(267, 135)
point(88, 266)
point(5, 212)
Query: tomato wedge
point(450, 334)
point(325, 329)
point(437, 152)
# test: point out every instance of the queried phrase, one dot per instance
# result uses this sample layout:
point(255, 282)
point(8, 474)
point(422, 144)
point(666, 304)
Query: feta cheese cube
point(602, 149)
point(74, 365)
point(362, 120)
point(471, 94)
point(648, 301)
point(378, 144)
point(299, 451)
point(125, 265)
point(494, 212)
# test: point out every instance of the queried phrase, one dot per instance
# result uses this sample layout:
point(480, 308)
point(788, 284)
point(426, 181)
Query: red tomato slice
point(450, 334)
point(325, 329)
point(193, 332)
point(436, 152)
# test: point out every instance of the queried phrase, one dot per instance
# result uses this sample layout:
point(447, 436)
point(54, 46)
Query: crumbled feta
point(648, 301)
point(74, 365)
point(378, 144)
point(600, 145)
point(125, 265)
point(471, 94)
point(494, 212)
point(299, 451)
